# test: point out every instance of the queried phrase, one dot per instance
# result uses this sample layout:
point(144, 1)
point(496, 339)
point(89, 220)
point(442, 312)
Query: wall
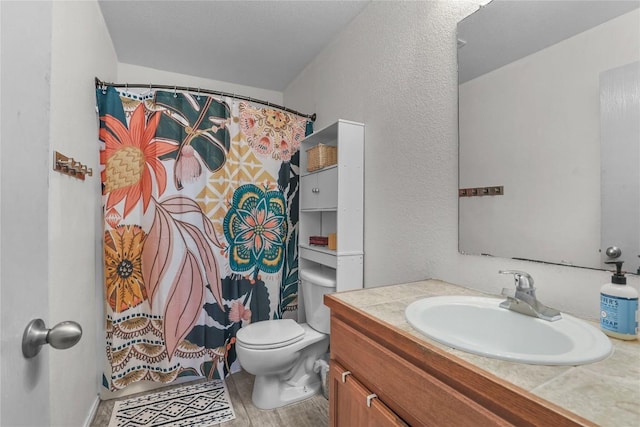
point(82, 49)
point(394, 68)
point(128, 73)
point(543, 113)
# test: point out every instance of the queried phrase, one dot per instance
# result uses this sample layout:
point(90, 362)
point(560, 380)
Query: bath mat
point(203, 404)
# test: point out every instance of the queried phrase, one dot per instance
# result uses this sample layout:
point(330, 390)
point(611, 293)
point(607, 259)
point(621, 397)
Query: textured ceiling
point(507, 30)
point(264, 44)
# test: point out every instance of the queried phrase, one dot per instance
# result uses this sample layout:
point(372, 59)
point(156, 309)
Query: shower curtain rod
point(100, 83)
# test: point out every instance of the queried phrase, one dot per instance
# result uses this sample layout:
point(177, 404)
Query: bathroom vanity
point(385, 373)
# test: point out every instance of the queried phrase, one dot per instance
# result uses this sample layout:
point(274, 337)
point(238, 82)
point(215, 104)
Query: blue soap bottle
point(619, 306)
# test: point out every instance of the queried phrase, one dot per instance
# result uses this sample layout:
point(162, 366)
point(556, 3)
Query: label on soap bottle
point(619, 314)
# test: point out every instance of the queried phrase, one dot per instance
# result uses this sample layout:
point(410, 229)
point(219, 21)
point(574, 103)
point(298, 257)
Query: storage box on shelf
point(332, 201)
point(320, 156)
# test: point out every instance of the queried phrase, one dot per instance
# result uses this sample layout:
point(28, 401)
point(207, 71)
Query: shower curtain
point(200, 229)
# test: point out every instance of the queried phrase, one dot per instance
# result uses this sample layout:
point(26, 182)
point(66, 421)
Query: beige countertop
point(606, 392)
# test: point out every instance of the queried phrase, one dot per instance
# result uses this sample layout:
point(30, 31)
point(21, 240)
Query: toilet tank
point(315, 283)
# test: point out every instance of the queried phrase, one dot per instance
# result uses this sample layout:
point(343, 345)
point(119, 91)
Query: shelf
point(319, 170)
point(332, 201)
point(328, 133)
point(319, 210)
point(322, 249)
point(319, 255)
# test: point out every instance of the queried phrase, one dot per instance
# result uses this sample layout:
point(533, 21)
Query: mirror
point(549, 128)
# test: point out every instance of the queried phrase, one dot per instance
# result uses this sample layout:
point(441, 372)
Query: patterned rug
point(203, 405)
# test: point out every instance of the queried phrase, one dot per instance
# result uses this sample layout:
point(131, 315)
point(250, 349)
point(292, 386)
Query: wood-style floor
point(312, 412)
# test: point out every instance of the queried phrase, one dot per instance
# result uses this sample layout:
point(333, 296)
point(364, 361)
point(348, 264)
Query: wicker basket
point(321, 156)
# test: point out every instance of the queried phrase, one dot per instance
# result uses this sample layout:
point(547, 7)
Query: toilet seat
point(270, 334)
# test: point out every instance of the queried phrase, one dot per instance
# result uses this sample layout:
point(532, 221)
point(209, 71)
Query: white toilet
point(281, 353)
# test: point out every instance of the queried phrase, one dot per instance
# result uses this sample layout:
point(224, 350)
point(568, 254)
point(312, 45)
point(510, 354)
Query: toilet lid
point(318, 276)
point(270, 334)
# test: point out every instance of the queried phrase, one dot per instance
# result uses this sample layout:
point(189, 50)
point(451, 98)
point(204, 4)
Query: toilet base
point(285, 375)
point(269, 392)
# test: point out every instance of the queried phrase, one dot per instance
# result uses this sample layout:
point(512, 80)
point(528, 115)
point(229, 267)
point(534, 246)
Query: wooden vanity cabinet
point(418, 383)
point(354, 405)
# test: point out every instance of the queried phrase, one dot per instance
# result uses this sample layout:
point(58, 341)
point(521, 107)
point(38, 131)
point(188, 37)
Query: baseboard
point(143, 386)
point(92, 412)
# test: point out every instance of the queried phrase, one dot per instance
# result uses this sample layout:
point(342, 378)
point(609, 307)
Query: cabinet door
point(352, 405)
point(308, 198)
point(328, 189)
point(319, 190)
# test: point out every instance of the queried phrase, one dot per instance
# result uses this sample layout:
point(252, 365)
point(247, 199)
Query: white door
point(25, 46)
point(620, 163)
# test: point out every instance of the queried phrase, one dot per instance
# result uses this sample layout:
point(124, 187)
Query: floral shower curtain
point(200, 229)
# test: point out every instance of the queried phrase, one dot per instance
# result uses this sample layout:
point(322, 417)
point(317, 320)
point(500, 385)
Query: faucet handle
point(508, 292)
point(523, 279)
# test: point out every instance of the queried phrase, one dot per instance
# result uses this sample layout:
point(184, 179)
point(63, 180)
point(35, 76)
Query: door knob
point(62, 336)
point(613, 252)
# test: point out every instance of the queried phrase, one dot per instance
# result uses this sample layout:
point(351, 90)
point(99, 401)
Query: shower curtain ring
point(198, 97)
point(175, 93)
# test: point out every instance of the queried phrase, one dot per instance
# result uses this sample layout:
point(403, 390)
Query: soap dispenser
point(619, 306)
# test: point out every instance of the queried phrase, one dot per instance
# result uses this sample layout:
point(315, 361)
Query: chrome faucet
point(524, 300)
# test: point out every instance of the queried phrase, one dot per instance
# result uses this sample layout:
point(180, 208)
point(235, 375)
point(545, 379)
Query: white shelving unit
point(332, 201)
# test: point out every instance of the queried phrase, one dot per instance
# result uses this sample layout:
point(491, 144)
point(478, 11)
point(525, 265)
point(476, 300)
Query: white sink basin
point(478, 325)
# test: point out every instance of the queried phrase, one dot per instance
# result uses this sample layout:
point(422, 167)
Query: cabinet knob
point(315, 190)
point(370, 398)
point(344, 376)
